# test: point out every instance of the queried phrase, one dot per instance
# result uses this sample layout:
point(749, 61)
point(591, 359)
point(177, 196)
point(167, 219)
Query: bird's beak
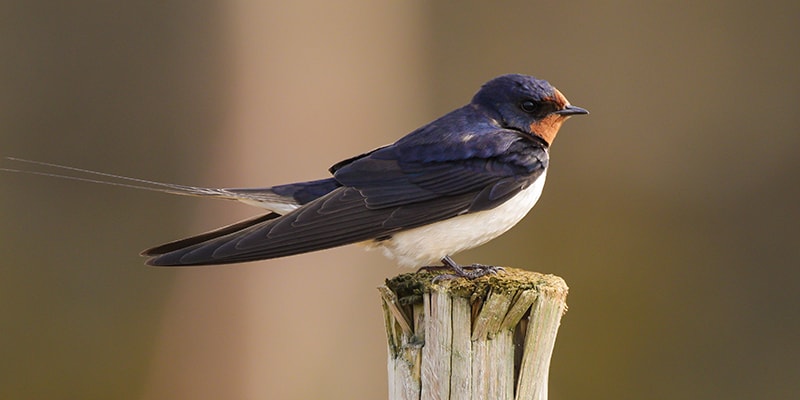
point(571, 110)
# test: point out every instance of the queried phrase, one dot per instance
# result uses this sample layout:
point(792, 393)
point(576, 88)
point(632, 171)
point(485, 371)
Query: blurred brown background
point(671, 211)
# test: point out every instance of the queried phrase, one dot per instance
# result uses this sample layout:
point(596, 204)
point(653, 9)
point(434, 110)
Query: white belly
point(428, 244)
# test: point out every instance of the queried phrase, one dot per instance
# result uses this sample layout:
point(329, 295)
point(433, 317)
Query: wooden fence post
point(488, 338)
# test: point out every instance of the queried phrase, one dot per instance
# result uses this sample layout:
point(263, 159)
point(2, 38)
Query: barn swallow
point(451, 185)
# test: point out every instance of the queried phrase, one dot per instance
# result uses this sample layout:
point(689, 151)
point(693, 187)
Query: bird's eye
point(529, 106)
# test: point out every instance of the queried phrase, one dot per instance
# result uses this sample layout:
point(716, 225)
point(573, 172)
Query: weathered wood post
point(489, 338)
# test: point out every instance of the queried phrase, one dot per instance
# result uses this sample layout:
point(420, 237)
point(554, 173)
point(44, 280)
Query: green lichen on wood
point(410, 287)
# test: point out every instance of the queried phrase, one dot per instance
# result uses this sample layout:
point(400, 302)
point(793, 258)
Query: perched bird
point(449, 186)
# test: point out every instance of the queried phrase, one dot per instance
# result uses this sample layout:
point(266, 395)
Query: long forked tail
point(262, 197)
point(280, 200)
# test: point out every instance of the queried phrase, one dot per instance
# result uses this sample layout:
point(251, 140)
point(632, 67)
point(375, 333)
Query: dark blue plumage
point(469, 161)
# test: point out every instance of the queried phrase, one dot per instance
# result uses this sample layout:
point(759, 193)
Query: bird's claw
point(473, 271)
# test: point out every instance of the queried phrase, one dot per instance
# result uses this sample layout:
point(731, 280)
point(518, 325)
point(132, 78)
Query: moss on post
point(488, 338)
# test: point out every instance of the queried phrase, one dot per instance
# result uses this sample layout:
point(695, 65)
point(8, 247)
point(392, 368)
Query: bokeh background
point(673, 210)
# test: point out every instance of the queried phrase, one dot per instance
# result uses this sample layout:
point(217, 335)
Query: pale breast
point(428, 244)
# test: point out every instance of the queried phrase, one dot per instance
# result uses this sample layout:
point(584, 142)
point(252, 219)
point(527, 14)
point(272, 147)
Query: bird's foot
point(473, 271)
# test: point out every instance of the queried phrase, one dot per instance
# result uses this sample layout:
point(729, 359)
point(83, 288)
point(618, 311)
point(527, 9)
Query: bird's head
point(526, 104)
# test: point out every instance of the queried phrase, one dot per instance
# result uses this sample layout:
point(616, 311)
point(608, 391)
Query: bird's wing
point(337, 219)
point(384, 192)
point(204, 237)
